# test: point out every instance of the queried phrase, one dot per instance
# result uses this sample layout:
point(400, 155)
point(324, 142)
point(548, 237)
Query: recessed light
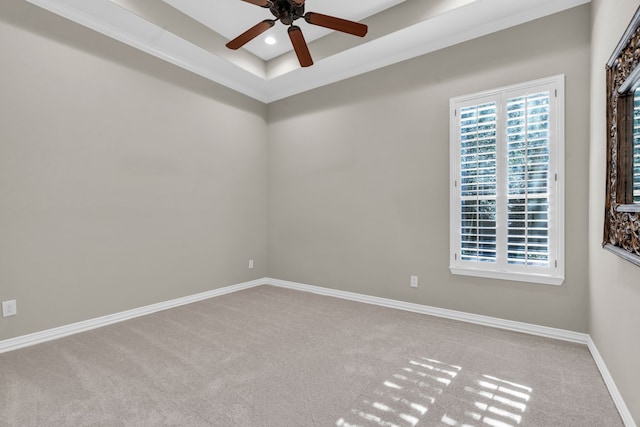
point(270, 40)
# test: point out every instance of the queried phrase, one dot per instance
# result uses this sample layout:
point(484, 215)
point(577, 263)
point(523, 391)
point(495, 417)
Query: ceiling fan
point(287, 11)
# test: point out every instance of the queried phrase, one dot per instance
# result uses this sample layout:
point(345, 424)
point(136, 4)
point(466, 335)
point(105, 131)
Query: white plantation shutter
point(527, 132)
point(506, 205)
point(478, 182)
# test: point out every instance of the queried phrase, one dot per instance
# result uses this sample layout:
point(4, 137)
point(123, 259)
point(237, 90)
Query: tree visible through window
point(506, 152)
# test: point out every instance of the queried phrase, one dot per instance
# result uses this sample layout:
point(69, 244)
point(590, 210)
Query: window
point(621, 234)
point(636, 146)
point(507, 157)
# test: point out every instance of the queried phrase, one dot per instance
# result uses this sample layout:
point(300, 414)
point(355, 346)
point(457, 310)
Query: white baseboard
point(611, 385)
point(510, 325)
point(87, 325)
point(527, 328)
point(494, 322)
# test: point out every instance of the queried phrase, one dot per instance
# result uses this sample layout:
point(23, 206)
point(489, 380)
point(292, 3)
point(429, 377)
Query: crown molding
point(466, 21)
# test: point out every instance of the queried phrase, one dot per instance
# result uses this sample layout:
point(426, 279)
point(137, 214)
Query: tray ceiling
point(192, 34)
point(244, 15)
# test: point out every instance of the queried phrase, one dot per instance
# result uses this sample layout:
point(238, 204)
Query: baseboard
point(543, 331)
point(611, 385)
point(87, 325)
point(493, 322)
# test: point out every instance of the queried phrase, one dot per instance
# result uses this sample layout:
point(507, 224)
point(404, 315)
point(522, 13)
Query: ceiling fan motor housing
point(286, 11)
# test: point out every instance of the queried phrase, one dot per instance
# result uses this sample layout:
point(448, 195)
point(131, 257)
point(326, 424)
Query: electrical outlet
point(9, 308)
point(414, 281)
point(250, 264)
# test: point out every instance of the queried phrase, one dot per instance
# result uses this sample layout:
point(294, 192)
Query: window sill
point(502, 275)
point(629, 256)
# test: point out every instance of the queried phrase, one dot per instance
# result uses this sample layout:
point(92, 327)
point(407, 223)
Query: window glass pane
point(636, 146)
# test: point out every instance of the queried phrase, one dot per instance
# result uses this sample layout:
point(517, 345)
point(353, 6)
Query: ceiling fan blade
point(250, 34)
point(300, 46)
point(297, 2)
point(262, 3)
point(338, 24)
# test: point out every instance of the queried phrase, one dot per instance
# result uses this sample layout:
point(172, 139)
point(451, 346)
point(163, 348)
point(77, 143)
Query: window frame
point(502, 269)
point(621, 234)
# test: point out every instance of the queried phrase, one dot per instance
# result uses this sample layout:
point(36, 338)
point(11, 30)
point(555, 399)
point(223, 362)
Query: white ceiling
point(229, 18)
point(192, 33)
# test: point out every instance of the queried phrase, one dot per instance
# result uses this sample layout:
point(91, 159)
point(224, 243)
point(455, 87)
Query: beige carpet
point(274, 357)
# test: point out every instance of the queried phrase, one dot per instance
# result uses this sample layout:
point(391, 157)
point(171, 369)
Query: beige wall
point(614, 283)
point(124, 181)
point(127, 181)
point(358, 176)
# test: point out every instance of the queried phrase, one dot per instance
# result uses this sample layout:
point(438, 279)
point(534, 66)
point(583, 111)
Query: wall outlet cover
point(9, 308)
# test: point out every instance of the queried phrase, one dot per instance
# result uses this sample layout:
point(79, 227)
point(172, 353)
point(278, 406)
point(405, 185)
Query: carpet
point(268, 356)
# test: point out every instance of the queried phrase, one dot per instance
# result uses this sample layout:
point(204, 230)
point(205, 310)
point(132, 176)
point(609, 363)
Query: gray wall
point(358, 176)
point(615, 283)
point(124, 181)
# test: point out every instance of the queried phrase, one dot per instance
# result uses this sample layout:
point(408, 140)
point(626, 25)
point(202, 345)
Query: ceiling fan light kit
point(288, 11)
